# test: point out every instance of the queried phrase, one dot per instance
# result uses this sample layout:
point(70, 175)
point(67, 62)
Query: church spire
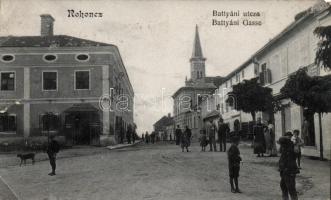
point(197, 60)
point(197, 51)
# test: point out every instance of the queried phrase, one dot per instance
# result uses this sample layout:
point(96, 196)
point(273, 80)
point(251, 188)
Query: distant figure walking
point(211, 129)
point(287, 167)
point(223, 131)
point(128, 135)
point(189, 135)
point(52, 149)
point(146, 138)
point(234, 164)
point(178, 134)
point(203, 140)
point(184, 141)
point(153, 137)
point(133, 136)
point(121, 135)
point(259, 140)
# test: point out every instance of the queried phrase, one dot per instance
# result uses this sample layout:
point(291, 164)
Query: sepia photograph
point(165, 99)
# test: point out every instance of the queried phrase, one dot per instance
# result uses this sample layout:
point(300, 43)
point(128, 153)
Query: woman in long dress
point(268, 142)
point(259, 141)
point(272, 139)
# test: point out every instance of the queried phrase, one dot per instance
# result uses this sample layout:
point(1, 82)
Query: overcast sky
point(155, 38)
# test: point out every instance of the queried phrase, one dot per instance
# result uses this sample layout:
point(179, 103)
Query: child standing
point(234, 164)
point(298, 143)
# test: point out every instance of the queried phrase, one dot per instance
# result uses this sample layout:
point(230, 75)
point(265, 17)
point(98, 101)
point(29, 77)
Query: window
point(243, 73)
point(265, 74)
point(7, 81)
point(49, 122)
point(237, 77)
point(7, 123)
point(231, 82)
point(256, 69)
point(50, 58)
point(7, 58)
point(50, 80)
point(82, 80)
point(82, 57)
point(226, 84)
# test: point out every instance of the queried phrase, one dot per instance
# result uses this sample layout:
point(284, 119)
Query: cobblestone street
point(159, 171)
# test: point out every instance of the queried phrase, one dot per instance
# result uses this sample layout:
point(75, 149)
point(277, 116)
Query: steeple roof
point(197, 51)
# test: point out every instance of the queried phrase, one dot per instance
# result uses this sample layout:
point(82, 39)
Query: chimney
point(47, 22)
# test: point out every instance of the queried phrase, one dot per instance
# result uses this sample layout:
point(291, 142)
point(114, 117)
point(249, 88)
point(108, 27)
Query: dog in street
point(25, 157)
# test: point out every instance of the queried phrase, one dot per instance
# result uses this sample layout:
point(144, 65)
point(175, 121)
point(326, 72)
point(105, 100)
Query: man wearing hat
point(287, 167)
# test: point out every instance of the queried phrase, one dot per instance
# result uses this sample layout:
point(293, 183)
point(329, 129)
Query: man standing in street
point(211, 129)
point(52, 149)
point(178, 134)
point(223, 130)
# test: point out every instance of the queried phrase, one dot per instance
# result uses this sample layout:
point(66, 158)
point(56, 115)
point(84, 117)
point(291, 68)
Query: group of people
point(149, 138)
point(208, 135)
point(183, 138)
point(130, 135)
point(264, 139)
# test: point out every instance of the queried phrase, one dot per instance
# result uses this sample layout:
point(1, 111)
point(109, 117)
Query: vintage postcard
point(165, 99)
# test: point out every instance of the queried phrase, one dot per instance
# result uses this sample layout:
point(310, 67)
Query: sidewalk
point(10, 158)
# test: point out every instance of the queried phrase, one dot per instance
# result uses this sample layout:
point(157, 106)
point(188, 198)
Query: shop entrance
point(82, 125)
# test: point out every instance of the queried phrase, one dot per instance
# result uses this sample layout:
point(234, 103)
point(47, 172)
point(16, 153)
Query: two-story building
point(290, 50)
point(63, 85)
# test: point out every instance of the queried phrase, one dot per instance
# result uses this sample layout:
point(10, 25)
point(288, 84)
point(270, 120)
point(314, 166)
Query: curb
point(122, 146)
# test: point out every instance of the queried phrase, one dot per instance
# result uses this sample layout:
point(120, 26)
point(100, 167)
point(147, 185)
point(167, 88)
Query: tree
point(323, 53)
point(312, 93)
point(250, 97)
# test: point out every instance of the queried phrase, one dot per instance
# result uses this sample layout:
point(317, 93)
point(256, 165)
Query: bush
point(35, 143)
point(41, 142)
point(11, 143)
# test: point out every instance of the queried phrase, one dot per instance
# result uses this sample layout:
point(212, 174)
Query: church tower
point(197, 60)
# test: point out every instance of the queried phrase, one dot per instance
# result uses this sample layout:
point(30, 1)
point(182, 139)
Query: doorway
point(82, 125)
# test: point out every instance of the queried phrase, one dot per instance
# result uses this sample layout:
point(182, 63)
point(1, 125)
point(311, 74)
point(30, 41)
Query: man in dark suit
point(52, 149)
point(223, 130)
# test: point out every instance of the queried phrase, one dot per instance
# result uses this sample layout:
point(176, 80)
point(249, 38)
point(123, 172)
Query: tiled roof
point(47, 41)
point(164, 121)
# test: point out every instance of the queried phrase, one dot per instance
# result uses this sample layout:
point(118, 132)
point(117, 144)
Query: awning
point(82, 107)
point(212, 114)
point(4, 108)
